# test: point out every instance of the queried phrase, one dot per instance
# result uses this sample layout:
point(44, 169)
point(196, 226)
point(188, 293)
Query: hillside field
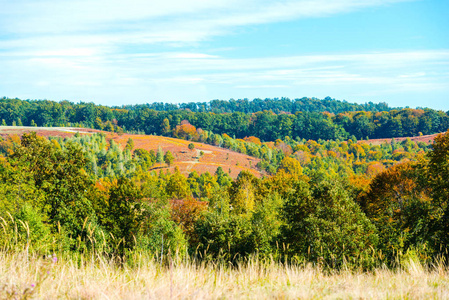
point(185, 159)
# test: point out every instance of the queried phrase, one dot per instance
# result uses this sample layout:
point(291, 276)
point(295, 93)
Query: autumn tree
point(185, 131)
point(242, 193)
point(177, 186)
point(400, 208)
point(291, 166)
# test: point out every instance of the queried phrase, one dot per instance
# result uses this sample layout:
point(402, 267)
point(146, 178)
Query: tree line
point(266, 125)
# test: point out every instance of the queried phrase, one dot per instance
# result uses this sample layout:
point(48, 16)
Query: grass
point(25, 276)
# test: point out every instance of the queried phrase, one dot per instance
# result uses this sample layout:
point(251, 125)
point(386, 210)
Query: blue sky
point(125, 52)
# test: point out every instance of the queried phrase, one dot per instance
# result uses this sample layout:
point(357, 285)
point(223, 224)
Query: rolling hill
point(203, 158)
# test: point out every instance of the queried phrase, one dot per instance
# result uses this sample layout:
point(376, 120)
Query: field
point(189, 160)
point(428, 139)
point(185, 159)
point(23, 276)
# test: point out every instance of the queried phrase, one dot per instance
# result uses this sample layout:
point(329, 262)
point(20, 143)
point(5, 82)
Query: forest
point(327, 197)
point(268, 120)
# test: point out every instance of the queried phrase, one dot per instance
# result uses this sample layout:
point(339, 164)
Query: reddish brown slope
point(423, 138)
point(187, 160)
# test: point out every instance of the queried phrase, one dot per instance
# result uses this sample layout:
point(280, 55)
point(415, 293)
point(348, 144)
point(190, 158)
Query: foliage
point(324, 225)
point(168, 158)
point(267, 120)
point(338, 204)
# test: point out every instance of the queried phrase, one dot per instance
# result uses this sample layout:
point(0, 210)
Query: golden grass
point(99, 278)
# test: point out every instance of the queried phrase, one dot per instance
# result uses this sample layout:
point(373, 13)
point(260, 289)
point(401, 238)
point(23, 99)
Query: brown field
point(191, 160)
point(428, 139)
point(186, 160)
point(5, 131)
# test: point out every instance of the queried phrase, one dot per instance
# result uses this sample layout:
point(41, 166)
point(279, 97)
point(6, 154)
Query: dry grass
point(96, 278)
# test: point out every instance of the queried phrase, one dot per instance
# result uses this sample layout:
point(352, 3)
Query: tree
point(109, 126)
point(438, 180)
point(191, 146)
point(129, 144)
point(242, 193)
point(291, 166)
point(98, 123)
point(185, 213)
point(400, 209)
point(166, 127)
point(324, 225)
point(159, 155)
point(58, 174)
point(168, 158)
point(123, 214)
point(185, 131)
point(177, 186)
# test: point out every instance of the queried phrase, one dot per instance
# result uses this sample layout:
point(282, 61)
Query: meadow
point(26, 276)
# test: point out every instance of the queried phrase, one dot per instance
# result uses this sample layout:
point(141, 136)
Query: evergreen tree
point(160, 155)
point(168, 158)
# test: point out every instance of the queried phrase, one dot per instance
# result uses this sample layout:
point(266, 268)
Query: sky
point(119, 52)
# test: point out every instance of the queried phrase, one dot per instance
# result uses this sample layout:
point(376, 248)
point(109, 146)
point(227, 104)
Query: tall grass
point(24, 276)
point(25, 273)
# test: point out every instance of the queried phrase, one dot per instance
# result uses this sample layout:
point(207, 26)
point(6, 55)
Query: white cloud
point(112, 23)
point(80, 49)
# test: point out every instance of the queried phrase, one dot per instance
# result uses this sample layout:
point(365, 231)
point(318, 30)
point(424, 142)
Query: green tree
point(123, 214)
point(438, 180)
point(324, 225)
point(177, 186)
point(129, 144)
point(243, 193)
point(166, 127)
point(159, 155)
point(168, 158)
point(59, 174)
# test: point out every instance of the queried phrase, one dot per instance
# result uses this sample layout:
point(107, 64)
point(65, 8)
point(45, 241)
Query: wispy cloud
point(41, 24)
point(108, 50)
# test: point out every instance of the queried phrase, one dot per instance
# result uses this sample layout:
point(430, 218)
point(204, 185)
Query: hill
point(203, 158)
point(428, 139)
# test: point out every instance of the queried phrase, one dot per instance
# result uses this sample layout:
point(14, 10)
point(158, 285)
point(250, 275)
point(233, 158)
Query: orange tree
point(400, 208)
